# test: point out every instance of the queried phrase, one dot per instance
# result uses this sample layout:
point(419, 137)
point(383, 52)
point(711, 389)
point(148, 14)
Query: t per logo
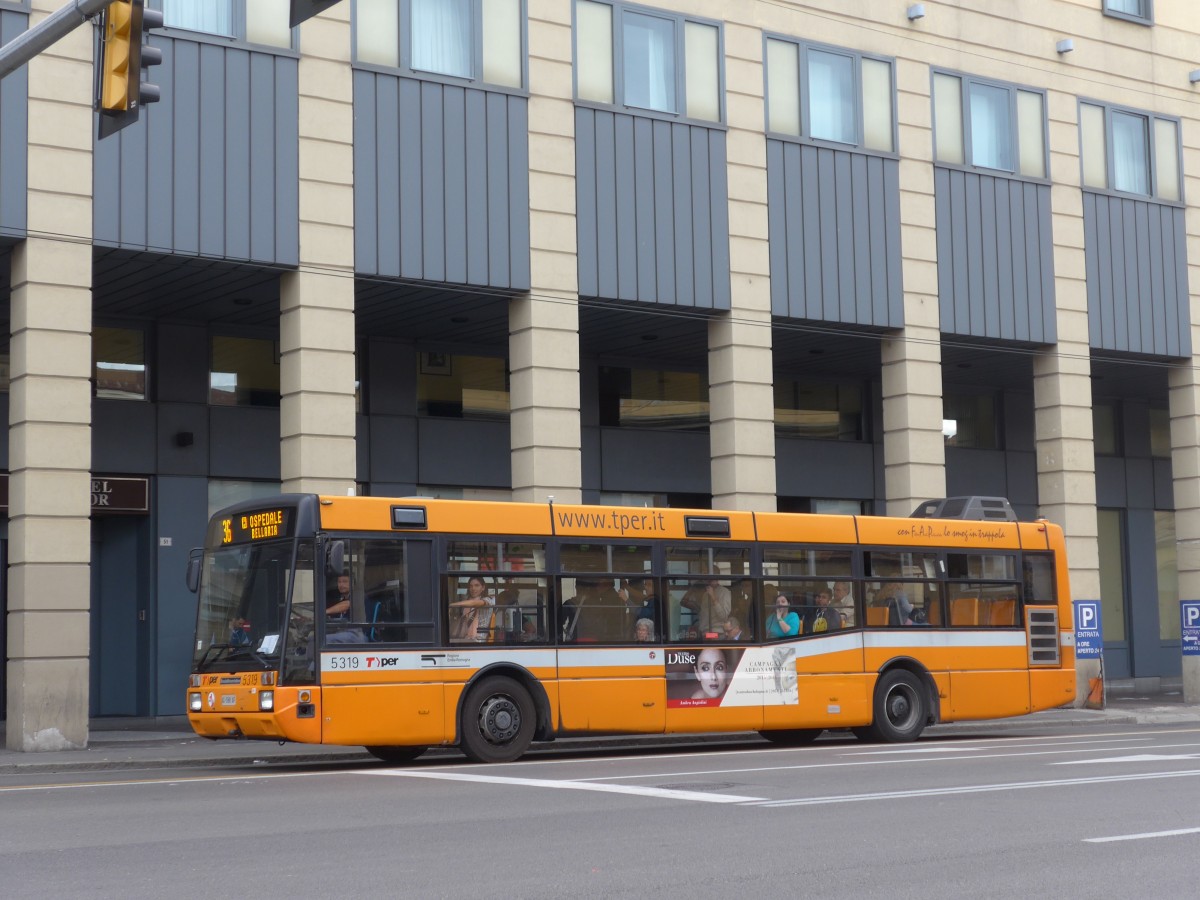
point(382, 662)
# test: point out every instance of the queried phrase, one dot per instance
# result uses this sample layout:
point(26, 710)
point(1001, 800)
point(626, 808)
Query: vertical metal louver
point(1041, 631)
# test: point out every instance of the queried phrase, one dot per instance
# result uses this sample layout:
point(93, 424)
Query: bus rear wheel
point(792, 737)
point(396, 755)
point(498, 719)
point(900, 707)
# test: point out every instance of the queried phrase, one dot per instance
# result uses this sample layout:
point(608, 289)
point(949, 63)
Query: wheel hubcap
point(499, 719)
point(900, 708)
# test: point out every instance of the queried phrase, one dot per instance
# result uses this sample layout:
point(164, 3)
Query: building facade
point(813, 256)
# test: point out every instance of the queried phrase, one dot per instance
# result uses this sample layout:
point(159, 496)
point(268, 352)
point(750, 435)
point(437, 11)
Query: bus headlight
point(194, 702)
point(266, 701)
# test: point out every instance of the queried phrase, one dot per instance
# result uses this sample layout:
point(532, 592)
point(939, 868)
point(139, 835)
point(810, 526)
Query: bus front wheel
point(497, 721)
point(900, 707)
point(396, 755)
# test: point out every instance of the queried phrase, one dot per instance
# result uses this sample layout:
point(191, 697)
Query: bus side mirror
point(335, 556)
point(193, 569)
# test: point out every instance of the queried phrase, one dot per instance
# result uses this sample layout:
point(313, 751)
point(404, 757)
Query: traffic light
point(123, 56)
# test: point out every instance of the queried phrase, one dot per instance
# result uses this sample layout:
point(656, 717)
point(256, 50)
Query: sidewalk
point(117, 744)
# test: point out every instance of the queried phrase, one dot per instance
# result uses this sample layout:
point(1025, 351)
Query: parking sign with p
point(1089, 640)
point(1189, 620)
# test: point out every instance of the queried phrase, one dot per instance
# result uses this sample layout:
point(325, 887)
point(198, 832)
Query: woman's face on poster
point(712, 672)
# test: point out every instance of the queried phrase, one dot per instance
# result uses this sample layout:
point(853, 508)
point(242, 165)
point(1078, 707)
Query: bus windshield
point(243, 603)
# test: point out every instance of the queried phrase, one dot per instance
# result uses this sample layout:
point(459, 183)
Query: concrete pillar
point(1185, 469)
point(316, 322)
point(50, 408)
point(1062, 386)
point(740, 364)
point(914, 450)
point(544, 325)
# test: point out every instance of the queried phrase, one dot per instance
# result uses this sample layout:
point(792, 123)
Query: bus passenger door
point(612, 689)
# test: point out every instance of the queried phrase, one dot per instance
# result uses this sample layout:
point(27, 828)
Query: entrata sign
point(1089, 640)
point(1189, 620)
point(112, 495)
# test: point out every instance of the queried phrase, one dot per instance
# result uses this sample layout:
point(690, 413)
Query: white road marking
point(661, 793)
point(971, 789)
point(1141, 837)
point(1140, 757)
point(850, 763)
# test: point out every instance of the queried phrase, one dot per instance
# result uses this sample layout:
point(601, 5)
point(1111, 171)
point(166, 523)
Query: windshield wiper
point(200, 666)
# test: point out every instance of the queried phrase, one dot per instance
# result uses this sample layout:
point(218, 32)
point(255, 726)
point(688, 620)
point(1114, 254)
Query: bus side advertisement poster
point(731, 676)
point(251, 527)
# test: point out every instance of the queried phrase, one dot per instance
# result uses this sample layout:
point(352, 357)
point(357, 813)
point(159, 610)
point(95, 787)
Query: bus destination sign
point(250, 527)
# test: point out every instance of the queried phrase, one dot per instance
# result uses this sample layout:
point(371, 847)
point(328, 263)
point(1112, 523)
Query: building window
point(1166, 557)
point(119, 363)
point(1160, 433)
point(969, 420)
point(1140, 11)
point(1106, 437)
point(254, 21)
point(476, 40)
point(462, 387)
point(830, 412)
point(1112, 573)
point(647, 60)
point(1129, 151)
point(989, 125)
point(829, 94)
point(653, 398)
point(244, 372)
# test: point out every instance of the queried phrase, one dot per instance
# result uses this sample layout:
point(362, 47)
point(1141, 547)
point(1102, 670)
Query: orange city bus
point(400, 624)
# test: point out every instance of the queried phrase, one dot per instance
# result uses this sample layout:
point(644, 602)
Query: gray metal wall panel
point(243, 442)
point(995, 256)
point(1137, 284)
point(651, 210)
point(443, 193)
point(499, 174)
point(834, 229)
point(454, 169)
point(626, 193)
point(226, 190)
point(1110, 481)
point(123, 437)
point(181, 510)
point(633, 459)
point(14, 136)
point(447, 448)
point(587, 209)
point(236, 214)
point(832, 469)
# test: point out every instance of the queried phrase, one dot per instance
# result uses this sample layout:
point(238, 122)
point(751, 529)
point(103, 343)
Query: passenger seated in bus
point(643, 631)
point(474, 612)
point(710, 601)
point(638, 597)
point(732, 628)
point(900, 608)
point(337, 616)
point(822, 617)
point(743, 599)
point(782, 622)
point(843, 602)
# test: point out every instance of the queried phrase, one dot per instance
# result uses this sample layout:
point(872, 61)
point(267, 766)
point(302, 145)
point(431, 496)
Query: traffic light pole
point(51, 29)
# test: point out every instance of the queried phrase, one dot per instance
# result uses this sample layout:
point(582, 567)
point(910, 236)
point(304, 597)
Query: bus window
point(983, 604)
point(605, 590)
point(812, 602)
point(901, 564)
point(495, 556)
point(299, 645)
point(1038, 573)
point(801, 561)
point(891, 604)
point(1001, 566)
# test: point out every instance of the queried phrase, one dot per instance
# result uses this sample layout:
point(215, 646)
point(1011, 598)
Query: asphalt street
point(1061, 807)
